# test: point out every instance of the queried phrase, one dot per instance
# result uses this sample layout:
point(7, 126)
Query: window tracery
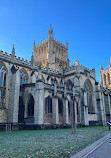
point(89, 91)
point(48, 105)
point(2, 84)
point(23, 77)
point(60, 106)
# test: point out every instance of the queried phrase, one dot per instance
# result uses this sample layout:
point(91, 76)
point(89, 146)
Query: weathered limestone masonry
point(106, 91)
point(41, 93)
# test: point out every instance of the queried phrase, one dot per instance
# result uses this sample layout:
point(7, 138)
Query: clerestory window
point(23, 77)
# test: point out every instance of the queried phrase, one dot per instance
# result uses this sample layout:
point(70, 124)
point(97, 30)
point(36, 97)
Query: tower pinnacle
point(13, 51)
point(110, 63)
point(50, 34)
point(101, 67)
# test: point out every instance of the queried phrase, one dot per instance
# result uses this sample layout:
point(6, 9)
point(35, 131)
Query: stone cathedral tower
point(106, 76)
point(51, 53)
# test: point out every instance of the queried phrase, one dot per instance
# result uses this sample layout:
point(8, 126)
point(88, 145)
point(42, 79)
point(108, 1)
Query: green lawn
point(58, 143)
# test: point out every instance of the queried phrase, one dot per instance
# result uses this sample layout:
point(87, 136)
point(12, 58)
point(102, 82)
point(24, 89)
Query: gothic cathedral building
point(43, 91)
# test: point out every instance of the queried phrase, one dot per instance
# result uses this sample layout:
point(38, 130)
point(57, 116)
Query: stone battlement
point(42, 43)
point(25, 63)
point(59, 43)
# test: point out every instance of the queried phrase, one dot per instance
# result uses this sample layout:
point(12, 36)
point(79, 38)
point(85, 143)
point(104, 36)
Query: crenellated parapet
point(60, 44)
point(42, 43)
point(25, 63)
point(79, 69)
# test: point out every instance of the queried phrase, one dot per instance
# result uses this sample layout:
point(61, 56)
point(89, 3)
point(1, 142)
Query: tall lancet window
point(2, 84)
point(90, 97)
point(23, 77)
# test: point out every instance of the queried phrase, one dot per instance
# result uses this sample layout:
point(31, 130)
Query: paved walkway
point(99, 149)
point(103, 151)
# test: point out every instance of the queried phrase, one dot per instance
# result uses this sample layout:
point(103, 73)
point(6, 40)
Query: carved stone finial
point(50, 34)
point(66, 43)
point(77, 62)
point(32, 59)
point(101, 67)
point(110, 63)
point(13, 51)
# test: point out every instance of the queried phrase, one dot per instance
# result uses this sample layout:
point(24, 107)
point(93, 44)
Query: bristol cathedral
point(45, 91)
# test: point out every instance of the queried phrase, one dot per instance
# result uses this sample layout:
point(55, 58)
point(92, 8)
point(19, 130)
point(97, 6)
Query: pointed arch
point(48, 105)
point(69, 84)
point(104, 79)
point(3, 65)
point(60, 106)
point(3, 76)
point(108, 79)
point(23, 76)
point(30, 105)
point(69, 108)
point(90, 96)
point(76, 81)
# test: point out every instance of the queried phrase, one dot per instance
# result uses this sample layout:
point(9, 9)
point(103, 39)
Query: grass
point(58, 143)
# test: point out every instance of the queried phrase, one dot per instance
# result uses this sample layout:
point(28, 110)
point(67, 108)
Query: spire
point(34, 47)
point(77, 62)
point(110, 63)
point(32, 59)
point(13, 51)
point(101, 67)
point(34, 42)
point(50, 34)
point(66, 43)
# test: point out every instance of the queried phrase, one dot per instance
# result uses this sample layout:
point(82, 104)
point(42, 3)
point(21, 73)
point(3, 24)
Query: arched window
point(2, 84)
point(60, 106)
point(69, 84)
point(30, 109)
point(108, 78)
point(104, 80)
point(89, 90)
point(23, 77)
point(69, 108)
point(48, 105)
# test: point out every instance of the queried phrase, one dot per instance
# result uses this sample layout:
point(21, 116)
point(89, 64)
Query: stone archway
point(60, 110)
point(69, 111)
point(29, 109)
point(21, 110)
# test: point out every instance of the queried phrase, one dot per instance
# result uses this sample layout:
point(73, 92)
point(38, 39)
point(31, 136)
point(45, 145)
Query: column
point(39, 102)
point(109, 101)
point(86, 121)
point(103, 110)
point(107, 79)
point(75, 110)
point(55, 116)
point(13, 105)
point(16, 96)
point(65, 111)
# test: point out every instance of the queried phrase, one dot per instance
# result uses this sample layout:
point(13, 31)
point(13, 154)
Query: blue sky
point(85, 24)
